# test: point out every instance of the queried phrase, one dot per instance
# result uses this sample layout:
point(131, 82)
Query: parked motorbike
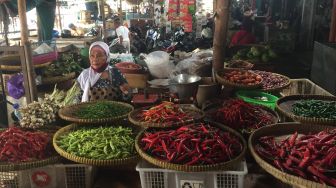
point(138, 45)
point(206, 40)
point(152, 36)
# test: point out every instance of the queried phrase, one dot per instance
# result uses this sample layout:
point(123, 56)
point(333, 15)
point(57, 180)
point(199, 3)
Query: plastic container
point(58, 175)
point(154, 177)
point(304, 87)
point(258, 97)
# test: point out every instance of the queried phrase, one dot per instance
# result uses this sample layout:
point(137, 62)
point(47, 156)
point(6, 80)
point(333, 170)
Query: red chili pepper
point(306, 158)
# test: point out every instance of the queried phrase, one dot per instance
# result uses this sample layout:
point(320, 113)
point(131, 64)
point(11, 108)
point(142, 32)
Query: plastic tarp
point(45, 10)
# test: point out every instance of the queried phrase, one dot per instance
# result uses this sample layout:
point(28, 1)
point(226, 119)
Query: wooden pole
point(219, 42)
point(120, 10)
point(102, 13)
point(332, 33)
point(27, 66)
point(59, 15)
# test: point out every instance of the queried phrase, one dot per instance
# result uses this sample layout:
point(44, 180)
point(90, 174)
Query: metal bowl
point(185, 79)
point(184, 85)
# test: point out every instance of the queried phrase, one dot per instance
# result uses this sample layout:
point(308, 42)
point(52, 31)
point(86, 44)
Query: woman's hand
point(124, 88)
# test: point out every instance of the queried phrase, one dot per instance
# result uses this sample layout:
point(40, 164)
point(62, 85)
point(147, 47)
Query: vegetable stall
point(242, 126)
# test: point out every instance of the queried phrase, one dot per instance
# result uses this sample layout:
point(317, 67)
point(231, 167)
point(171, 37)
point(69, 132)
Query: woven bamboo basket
point(13, 63)
point(275, 89)
point(195, 113)
point(68, 113)
point(194, 168)
point(57, 79)
point(6, 166)
point(283, 129)
point(212, 108)
point(284, 106)
point(95, 162)
point(228, 83)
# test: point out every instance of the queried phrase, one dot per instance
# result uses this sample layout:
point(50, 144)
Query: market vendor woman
point(101, 81)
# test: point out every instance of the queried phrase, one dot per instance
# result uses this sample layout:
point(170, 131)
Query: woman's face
point(97, 57)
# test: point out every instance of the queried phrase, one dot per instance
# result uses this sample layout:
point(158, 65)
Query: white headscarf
point(89, 77)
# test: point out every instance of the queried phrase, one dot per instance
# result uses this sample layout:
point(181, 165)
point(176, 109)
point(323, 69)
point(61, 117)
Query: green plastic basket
point(258, 97)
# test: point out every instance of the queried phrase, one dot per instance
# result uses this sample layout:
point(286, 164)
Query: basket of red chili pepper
point(313, 109)
point(242, 116)
point(192, 148)
point(242, 79)
point(23, 149)
point(166, 114)
point(302, 155)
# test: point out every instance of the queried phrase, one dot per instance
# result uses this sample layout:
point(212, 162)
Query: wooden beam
point(219, 42)
point(332, 33)
point(27, 65)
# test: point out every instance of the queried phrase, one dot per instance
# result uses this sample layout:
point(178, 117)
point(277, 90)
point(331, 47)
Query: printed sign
point(191, 184)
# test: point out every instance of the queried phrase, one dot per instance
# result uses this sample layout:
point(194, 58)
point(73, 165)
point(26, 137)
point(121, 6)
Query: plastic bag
point(43, 49)
point(15, 86)
point(203, 53)
point(194, 66)
point(158, 64)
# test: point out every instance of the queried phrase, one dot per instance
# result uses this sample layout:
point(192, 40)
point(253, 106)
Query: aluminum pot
point(207, 90)
point(184, 85)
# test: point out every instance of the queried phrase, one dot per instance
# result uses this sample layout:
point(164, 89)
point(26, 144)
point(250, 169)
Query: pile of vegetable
point(242, 77)
point(242, 116)
point(199, 144)
point(315, 109)
point(311, 156)
point(39, 114)
point(101, 109)
point(43, 112)
point(256, 54)
point(166, 112)
point(271, 80)
point(17, 145)
point(67, 63)
point(99, 143)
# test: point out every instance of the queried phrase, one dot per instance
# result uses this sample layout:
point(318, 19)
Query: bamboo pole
point(102, 13)
point(332, 33)
point(219, 42)
point(27, 66)
point(59, 15)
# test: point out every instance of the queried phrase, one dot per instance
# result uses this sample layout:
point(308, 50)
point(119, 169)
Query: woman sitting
point(244, 35)
point(101, 81)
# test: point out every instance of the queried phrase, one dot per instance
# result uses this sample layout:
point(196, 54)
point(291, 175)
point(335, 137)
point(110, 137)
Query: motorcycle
point(137, 44)
point(206, 40)
point(152, 36)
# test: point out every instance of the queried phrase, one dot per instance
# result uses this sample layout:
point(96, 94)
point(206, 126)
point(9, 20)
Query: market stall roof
point(45, 11)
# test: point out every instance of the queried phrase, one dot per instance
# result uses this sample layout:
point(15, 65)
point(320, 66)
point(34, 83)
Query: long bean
point(99, 143)
point(315, 108)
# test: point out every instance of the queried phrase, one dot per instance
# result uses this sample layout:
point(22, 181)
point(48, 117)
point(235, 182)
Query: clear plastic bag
point(158, 64)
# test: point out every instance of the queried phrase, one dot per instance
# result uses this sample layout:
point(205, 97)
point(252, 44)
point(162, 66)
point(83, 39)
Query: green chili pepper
point(116, 142)
point(315, 109)
point(102, 109)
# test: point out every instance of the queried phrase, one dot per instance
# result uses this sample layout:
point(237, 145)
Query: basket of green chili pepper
point(96, 112)
point(99, 146)
point(315, 109)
